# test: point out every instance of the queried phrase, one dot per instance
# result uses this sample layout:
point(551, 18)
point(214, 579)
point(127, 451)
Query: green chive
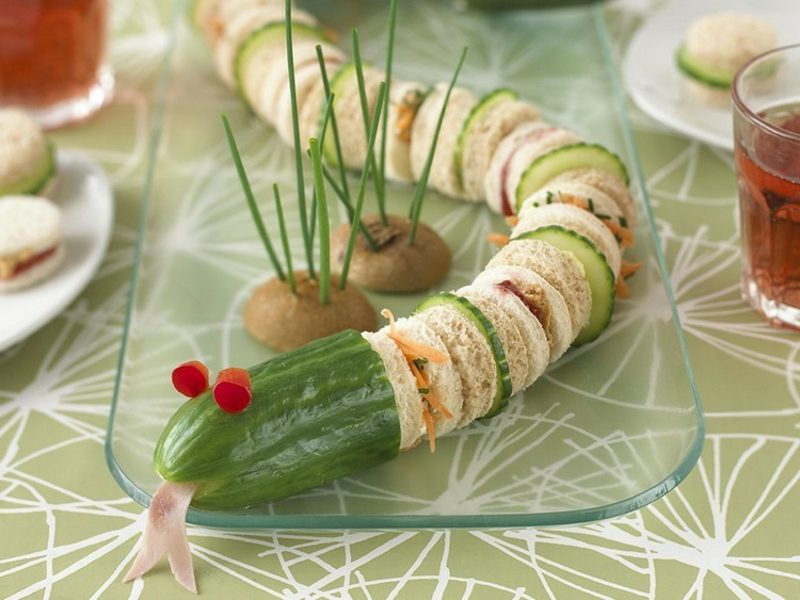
point(324, 224)
point(324, 125)
point(284, 238)
point(624, 222)
point(590, 202)
point(422, 184)
point(389, 61)
point(251, 201)
point(351, 241)
point(298, 153)
point(334, 126)
point(370, 157)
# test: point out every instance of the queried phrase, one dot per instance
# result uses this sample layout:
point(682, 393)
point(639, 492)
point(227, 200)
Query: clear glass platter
point(610, 428)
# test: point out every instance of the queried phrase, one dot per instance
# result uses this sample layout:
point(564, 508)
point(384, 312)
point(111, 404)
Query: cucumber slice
point(598, 273)
point(338, 83)
point(318, 413)
point(479, 110)
point(271, 33)
point(566, 158)
point(705, 74)
point(473, 313)
point(35, 182)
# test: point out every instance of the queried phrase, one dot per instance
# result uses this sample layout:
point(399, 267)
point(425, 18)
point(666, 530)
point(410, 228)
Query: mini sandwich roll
point(484, 136)
point(530, 329)
point(30, 241)
point(27, 162)
point(309, 111)
point(569, 192)
point(406, 397)
point(559, 269)
point(611, 185)
point(444, 378)
point(471, 355)
point(349, 117)
point(404, 104)
point(579, 221)
point(552, 314)
point(494, 307)
point(443, 172)
point(517, 150)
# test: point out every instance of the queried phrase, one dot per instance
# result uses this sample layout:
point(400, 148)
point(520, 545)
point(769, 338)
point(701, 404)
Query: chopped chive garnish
point(284, 238)
point(549, 197)
point(351, 241)
point(324, 224)
point(603, 216)
point(590, 202)
point(624, 222)
point(420, 362)
point(308, 242)
point(422, 184)
point(334, 126)
point(424, 391)
point(389, 62)
point(370, 156)
point(251, 201)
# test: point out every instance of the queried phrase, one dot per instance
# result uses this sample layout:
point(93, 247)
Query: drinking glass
point(52, 58)
point(766, 120)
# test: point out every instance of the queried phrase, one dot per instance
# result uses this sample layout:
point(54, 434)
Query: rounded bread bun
point(23, 148)
point(576, 219)
point(479, 147)
point(349, 117)
point(406, 397)
point(727, 40)
point(491, 303)
point(471, 355)
point(553, 313)
point(528, 152)
point(559, 269)
point(562, 193)
point(28, 224)
point(35, 274)
point(235, 32)
point(443, 172)
point(606, 182)
point(398, 151)
point(531, 331)
point(495, 178)
point(444, 378)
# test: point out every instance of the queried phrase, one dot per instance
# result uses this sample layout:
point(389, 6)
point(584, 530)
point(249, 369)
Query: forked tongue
point(165, 532)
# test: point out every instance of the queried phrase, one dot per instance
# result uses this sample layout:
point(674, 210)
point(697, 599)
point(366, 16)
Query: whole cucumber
point(318, 413)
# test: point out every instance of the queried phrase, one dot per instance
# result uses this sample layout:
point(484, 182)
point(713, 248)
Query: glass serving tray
point(608, 429)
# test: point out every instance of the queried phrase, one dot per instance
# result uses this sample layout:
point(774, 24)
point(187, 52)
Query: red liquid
point(769, 197)
point(50, 50)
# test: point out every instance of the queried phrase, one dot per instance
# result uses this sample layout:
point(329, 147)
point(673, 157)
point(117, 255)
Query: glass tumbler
point(52, 58)
point(766, 120)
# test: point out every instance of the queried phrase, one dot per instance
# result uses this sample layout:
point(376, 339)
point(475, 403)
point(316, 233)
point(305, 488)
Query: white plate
point(84, 195)
point(652, 77)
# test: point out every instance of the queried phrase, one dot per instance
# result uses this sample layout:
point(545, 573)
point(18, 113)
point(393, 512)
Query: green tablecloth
point(730, 530)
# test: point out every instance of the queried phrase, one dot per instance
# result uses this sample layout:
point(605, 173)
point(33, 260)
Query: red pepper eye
point(232, 391)
point(190, 378)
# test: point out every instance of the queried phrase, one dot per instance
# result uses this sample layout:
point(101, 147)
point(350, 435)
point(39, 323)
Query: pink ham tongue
point(165, 532)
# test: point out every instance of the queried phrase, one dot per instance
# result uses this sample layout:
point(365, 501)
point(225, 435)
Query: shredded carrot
point(423, 382)
point(623, 290)
point(512, 220)
point(497, 239)
point(623, 234)
point(430, 427)
point(574, 200)
point(629, 268)
point(413, 349)
point(437, 404)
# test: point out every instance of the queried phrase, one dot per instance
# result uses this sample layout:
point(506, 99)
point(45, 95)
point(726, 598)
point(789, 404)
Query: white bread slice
point(471, 355)
point(28, 225)
point(405, 96)
point(559, 269)
point(606, 182)
point(579, 221)
point(552, 314)
point(494, 182)
point(565, 192)
point(443, 172)
point(24, 152)
point(489, 302)
point(485, 134)
point(406, 397)
point(444, 378)
point(535, 347)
